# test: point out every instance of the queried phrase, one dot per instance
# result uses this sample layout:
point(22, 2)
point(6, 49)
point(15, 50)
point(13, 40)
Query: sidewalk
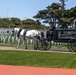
point(24, 70)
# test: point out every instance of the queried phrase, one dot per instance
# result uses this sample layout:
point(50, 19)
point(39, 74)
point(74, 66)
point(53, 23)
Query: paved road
point(31, 49)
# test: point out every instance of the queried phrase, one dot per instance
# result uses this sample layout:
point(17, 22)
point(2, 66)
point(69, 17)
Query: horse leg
point(25, 43)
point(19, 42)
point(35, 44)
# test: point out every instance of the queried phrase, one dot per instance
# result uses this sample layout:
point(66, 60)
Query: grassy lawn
point(64, 46)
point(41, 59)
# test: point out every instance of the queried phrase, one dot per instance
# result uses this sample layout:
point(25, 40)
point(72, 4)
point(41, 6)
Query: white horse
point(23, 35)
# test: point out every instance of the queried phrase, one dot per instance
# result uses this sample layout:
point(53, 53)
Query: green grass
point(39, 59)
point(13, 44)
point(64, 46)
point(8, 44)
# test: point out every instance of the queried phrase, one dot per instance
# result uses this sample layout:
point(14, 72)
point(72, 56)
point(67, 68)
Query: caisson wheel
point(73, 45)
point(70, 45)
point(47, 45)
point(44, 45)
point(40, 45)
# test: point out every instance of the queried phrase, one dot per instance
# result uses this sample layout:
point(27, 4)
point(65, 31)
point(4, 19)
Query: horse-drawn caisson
point(44, 43)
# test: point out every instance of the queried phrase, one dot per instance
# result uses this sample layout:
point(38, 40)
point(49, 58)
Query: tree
point(29, 22)
point(5, 22)
point(37, 22)
point(50, 15)
point(63, 4)
point(72, 12)
point(16, 21)
point(56, 14)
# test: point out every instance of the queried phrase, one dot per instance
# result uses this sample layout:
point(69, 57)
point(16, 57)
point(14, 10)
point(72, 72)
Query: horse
point(23, 35)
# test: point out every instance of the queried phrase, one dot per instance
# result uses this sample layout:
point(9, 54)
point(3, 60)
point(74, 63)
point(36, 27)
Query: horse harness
point(20, 32)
